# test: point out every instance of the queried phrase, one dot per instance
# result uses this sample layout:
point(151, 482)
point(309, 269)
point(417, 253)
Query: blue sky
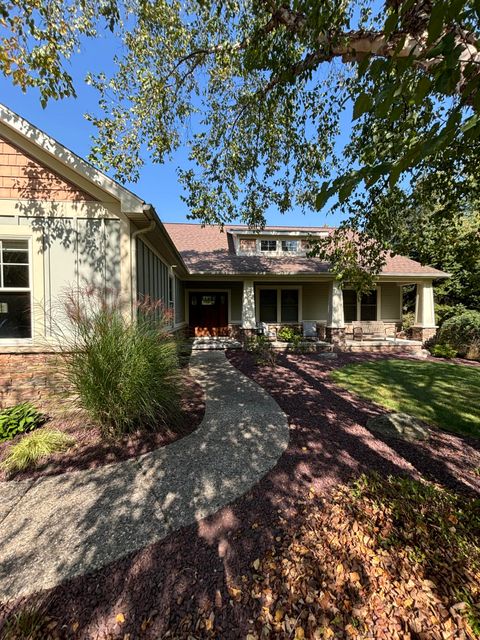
point(64, 120)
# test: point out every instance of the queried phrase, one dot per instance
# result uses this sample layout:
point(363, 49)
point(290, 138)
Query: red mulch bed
point(91, 450)
point(182, 586)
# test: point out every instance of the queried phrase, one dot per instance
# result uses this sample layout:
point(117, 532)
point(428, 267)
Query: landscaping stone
point(399, 425)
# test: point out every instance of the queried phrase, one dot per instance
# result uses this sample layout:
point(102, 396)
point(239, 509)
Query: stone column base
point(335, 336)
point(423, 333)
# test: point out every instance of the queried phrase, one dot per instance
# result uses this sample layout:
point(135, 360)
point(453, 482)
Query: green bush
point(262, 349)
point(34, 447)
point(126, 375)
point(443, 351)
point(446, 311)
point(21, 418)
point(462, 332)
point(408, 320)
point(287, 334)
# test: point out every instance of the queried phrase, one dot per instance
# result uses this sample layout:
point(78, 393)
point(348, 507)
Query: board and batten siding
point(153, 277)
point(76, 253)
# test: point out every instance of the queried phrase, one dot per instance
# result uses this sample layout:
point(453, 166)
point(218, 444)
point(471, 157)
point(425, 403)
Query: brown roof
point(209, 250)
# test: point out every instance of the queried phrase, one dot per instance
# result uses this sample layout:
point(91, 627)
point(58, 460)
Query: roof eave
point(129, 202)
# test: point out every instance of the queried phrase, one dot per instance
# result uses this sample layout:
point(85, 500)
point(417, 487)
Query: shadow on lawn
point(187, 575)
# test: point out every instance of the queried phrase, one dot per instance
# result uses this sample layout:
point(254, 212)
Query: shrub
point(446, 311)
point(262, 349)
point(408, 320)
point(462, 332)
point(287, 334)
point(443, 351)
point(34, 447)
point(21, 418)
point(126, 375)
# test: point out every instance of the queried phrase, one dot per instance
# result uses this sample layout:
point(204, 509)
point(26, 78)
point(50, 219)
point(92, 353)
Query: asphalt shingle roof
point(209, 250)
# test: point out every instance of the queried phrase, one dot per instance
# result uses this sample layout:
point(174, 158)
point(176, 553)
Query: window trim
point(286, 241)
point(299, 288)
point(21, 341)
point(275, 240)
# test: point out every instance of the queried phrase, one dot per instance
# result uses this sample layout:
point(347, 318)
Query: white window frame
point(287, 241)
point(279, 289)
point(268, 240)
point(29, 289)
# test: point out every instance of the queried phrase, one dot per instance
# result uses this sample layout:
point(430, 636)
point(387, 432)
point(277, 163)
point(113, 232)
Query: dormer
point(274, 243)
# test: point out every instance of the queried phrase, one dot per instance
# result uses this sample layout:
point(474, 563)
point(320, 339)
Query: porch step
point(214, 344)
point(412, 349)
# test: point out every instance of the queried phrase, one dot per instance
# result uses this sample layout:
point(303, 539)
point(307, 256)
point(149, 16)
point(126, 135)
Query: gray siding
point(152, 275)
point(78, 252)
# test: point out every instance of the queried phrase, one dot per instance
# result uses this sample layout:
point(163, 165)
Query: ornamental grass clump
point(34, 448)
point(125, 374)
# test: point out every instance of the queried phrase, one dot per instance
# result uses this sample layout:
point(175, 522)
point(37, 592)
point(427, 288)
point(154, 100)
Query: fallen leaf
point(256, 564)
point(120, 618)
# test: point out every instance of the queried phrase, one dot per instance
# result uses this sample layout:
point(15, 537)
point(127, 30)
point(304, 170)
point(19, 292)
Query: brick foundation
point(335, 336)
point(25, 377)
point(422, 333)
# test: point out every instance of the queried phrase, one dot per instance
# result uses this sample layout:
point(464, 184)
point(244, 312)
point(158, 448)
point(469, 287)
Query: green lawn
point(446, 395)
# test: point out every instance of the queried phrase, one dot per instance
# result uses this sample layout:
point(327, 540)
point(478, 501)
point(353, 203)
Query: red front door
point(208, 313)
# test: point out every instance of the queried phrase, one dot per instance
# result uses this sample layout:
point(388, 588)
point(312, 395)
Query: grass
point(29, 623)
point(33, 448)
point(125, 374)
point(442, 394)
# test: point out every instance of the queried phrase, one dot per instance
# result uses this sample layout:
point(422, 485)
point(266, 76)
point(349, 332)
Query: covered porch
point(337, 313)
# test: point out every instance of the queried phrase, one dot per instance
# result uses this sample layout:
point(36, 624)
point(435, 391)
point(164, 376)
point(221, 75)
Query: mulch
point(92, 450)
point(187, 586)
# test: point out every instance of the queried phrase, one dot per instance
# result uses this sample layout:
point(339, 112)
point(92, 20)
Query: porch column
point(424, 327)
point(249, 320)
point(335, 330)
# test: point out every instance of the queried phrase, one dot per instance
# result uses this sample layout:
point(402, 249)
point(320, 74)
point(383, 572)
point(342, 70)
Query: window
point(368, 309)
point(15, 303)
point(289, 309)
point(278, 305)
point(349, 305)
point(290, 245)
point(268, 305)
point(268, 245)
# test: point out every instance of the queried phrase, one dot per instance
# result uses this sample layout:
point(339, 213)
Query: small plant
point(408, 321)
point(33, 448)
point(287, 334)
point(21, 418)
point(262, 349)
point(443, 351)
point(29, 623)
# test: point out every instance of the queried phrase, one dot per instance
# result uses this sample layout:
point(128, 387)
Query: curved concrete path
point(54, 528)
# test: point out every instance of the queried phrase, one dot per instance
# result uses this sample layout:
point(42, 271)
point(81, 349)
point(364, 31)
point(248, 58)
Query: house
point(65, 224)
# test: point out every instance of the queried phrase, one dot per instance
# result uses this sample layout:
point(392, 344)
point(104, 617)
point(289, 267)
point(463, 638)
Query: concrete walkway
point(54, 528)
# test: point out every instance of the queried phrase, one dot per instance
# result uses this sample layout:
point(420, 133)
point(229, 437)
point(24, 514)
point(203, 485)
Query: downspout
point(133, 256)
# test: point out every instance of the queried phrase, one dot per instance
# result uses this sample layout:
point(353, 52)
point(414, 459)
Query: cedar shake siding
point(24, 178)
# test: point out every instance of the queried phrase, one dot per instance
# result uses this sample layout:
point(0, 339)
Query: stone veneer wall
point(422, 334)
point(25, 377)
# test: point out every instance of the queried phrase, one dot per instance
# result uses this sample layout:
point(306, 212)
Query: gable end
point(22, 177)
